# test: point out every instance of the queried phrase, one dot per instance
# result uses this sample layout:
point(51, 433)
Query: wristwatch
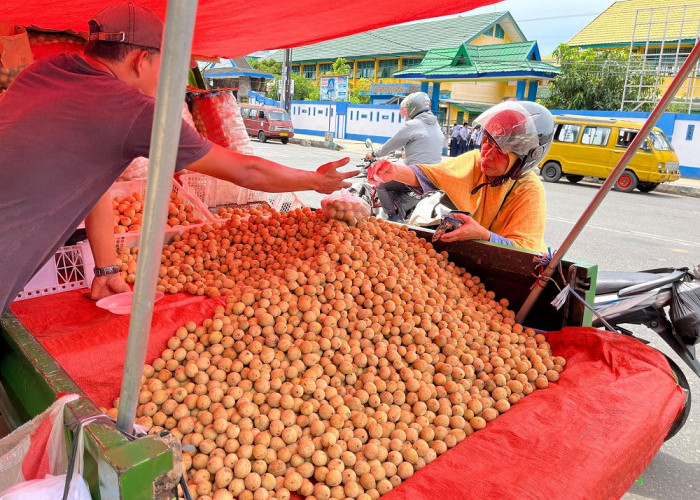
point(105, 271)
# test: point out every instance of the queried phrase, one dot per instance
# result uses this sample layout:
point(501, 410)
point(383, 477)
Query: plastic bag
point(49, 488)
point(25, 451)
point(685, 311)
point(218, 118)
point(345, 206)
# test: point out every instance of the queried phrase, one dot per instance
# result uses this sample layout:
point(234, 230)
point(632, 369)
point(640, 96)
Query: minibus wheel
point(284, 140)
point(262, 137)
point(627, 182)
point(551, 171)
point(573, 179)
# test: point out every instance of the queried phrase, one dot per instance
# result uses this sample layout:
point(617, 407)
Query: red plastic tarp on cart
point(588, 436)
point(230, 29)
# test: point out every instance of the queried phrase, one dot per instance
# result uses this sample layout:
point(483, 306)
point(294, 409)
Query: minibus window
point(625, 138)
point(596, 136)
point(253, 113)
point(659, 141)
point(567, 133)
point(281, 116)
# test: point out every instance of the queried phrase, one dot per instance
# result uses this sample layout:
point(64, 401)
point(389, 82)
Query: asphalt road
point(628, 232)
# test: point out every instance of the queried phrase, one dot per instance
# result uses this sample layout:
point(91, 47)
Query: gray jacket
point(422, 139)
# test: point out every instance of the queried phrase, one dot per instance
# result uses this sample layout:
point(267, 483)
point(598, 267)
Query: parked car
point(267, 122)
point(592, 146)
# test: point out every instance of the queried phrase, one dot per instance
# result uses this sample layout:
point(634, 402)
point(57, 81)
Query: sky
point(549, 22)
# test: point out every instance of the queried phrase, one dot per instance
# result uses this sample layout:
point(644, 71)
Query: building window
point(309, 71)
point(596, 136)
point(498, 32)
point(407, 63)
point(295, 68)
point(567, 133)
point(387, 68)
point(689, 133)
point(365, 69)
point(325, 68)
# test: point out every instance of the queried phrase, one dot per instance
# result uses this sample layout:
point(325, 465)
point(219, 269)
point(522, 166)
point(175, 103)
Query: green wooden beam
point(115, 467)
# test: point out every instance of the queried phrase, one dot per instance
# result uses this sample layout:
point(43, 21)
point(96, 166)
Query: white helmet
point(521, 127)
point(416, 103)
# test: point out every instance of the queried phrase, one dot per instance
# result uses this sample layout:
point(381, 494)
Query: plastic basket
point(214, 192)
point(64, 271)
point(284, 202)
point(131, 238)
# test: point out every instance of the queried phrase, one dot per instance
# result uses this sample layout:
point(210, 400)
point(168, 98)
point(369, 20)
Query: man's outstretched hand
point(104, 286)
point(330, 180)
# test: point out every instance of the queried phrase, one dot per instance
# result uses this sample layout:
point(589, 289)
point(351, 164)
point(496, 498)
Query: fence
point(345, 120)
point(380, 122)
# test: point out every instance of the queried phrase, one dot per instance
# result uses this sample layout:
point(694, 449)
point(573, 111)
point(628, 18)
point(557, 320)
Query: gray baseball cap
point(126, 22)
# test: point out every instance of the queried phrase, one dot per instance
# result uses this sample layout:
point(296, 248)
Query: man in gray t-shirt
point(71, 124)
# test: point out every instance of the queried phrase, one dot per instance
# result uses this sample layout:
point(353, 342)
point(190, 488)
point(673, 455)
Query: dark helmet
point(523, 128)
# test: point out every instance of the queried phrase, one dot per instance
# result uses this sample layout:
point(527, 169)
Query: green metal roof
point(406, 39)
point(471, 61)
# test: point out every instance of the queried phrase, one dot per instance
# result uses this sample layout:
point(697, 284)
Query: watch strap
point(105, 271)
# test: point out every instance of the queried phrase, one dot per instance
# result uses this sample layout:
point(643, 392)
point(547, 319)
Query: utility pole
point(286, 97)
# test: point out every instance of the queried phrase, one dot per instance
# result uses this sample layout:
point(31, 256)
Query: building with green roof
point(388, 57)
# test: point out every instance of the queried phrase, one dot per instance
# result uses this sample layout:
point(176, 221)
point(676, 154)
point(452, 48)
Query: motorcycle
point(368, 192)
point(667, 301)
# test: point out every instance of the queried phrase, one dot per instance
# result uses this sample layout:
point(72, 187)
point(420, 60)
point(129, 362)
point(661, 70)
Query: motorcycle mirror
point(368, 143)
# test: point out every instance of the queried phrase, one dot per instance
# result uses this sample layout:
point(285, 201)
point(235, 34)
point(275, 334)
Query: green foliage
point(362, 85)
point(304, 89)
point(341, 67)
point(268, 66)
point(595, 79)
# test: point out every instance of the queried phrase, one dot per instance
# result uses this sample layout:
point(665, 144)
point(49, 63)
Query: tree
point(304, 89)
point(362, 85)
point(267, 65)
point(595, 79)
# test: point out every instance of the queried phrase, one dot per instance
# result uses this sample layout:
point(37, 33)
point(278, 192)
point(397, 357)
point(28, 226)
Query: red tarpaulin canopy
point(231, 29)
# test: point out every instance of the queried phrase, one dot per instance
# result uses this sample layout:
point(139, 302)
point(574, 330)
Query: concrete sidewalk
point(683, 186)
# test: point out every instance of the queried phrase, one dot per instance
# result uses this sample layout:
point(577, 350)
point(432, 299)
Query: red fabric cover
point(588, 436)
point(90, 343)
point(36, 463)
point(232, 29)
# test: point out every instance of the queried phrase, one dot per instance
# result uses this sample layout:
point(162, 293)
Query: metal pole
point(286, 80)
point(610, 181)
point(177, 47)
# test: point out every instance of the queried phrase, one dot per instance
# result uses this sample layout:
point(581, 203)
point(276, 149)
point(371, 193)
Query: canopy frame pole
point(165, 137)
point(611, 180)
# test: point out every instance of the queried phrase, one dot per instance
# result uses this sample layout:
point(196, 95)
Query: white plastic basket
point(64, 271)
point(284, 202)
point(214, 192)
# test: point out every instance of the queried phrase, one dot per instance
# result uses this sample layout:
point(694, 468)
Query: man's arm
point(259, 174)
point(99, 225)
point(399, 140)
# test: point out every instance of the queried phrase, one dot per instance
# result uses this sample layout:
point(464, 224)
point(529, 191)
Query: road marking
point(636, 233)
point(679, 250)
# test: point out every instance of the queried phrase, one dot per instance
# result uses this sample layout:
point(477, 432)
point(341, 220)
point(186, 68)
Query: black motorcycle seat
point(614, 281)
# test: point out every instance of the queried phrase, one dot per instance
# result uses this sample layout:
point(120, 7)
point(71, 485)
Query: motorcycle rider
point(422, 140)
point(497, 183)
